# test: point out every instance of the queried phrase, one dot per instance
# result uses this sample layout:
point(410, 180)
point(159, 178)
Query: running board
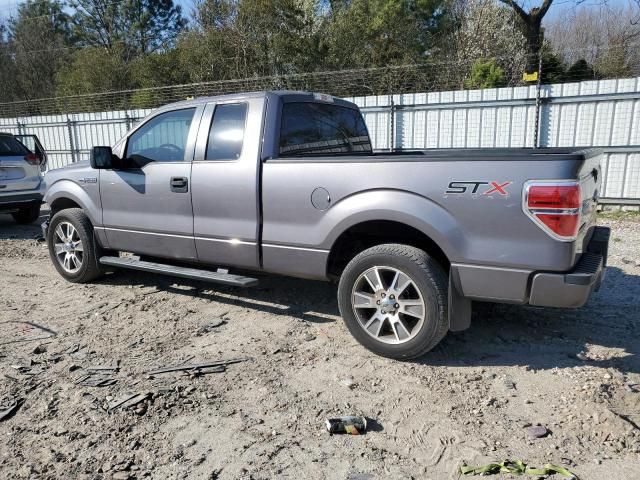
point(184, 272)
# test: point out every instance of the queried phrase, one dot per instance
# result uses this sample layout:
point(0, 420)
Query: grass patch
point(619, 215)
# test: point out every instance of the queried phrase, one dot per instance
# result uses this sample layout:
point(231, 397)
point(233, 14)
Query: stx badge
point(479, 188)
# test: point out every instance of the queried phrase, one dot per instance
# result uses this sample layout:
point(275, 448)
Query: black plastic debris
point(350, 424)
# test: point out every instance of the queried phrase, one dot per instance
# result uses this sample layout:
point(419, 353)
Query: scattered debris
point(209, 367)
point(28, 332)
point(113, 367)
point(517, 467)
point(209, 327)
point(128, 400)
point(96, 380)
point(7, 412)
point(349, 382)
point(72, 349)
point(309, 337)
point(40, 349)
point(351, 424)
point(537, 431)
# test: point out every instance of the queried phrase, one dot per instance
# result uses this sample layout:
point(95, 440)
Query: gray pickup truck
point(287, 182)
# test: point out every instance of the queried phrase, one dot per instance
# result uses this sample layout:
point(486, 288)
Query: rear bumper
point(569, 289)
point(16, 201)
point(572, 289)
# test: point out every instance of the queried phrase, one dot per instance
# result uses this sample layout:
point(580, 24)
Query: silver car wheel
point(388, 305)
point(68, 247)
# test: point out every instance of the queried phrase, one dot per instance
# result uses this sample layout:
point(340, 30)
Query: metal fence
point(601, 113)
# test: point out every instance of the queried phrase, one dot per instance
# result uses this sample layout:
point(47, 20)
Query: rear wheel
point(72, 247)
point(27, 215)
point(393, 299)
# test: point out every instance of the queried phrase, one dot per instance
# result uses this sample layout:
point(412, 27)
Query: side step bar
point(184, 272)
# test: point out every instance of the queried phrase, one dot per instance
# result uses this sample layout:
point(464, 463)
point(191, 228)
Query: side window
point(321, 129)
point(161, 139)
point(9, 146)
point(227, 132)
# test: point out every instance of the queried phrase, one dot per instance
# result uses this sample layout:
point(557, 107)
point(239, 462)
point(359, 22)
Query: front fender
point(400, 206)
point(87, 197)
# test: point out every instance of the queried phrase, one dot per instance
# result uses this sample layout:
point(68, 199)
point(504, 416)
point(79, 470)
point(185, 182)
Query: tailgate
point(590, 176)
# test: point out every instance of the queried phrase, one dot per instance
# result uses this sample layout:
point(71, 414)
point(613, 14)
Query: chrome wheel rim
point(68, 247)
point(388, 305)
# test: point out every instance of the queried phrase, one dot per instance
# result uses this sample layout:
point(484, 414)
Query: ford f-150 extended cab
point(287, 182)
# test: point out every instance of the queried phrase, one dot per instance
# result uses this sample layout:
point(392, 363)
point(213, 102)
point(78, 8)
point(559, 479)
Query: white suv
point(21, 183)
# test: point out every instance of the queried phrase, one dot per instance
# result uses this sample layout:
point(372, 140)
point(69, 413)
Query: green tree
point(485, 74)
point(8, 71)
point(249, 38)
point(137, 27)
point(580, 70)
point(41, 39)
point(94, 69)
point(368, 33)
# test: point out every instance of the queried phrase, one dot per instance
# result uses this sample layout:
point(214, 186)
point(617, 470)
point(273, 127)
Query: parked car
point(288, 183)
point(21, 184)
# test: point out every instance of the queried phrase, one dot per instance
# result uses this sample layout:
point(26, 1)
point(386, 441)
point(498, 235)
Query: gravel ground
point(575, 372)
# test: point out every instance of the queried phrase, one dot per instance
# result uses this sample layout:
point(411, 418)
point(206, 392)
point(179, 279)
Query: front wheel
point(393, 299)
point(71, 246)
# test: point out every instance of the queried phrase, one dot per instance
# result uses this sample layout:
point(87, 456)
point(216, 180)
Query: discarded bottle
point(349, 424)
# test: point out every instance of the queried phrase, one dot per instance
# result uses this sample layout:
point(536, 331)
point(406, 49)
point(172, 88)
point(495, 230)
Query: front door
point(147, 205)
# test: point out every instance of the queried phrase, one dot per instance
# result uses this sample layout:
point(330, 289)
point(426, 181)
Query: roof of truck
point(286, 95)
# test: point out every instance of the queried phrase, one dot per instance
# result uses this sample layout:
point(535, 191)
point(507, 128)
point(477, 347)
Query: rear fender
point(400, 206)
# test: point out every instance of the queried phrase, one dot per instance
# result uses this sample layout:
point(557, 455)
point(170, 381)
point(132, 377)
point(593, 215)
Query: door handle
point(179, 184)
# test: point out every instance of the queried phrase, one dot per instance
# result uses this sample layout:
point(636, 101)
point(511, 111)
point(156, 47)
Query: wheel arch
point(369, 233)
point(67, 194)
point(391, 216)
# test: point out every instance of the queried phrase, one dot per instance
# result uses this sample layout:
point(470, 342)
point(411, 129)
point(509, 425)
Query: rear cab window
point(10, 147)
point(309, 128)
point(226, 134)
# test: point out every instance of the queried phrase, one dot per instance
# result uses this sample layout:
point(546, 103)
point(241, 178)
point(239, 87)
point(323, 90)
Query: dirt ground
point(575, 372)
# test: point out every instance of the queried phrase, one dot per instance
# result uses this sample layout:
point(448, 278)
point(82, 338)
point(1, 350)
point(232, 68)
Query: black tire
point(89, 268)
point(27, 215)
point(428, 277)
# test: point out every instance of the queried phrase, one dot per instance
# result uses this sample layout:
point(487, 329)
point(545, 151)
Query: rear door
point(19, 167)
point(33, 144)
point(147, 206)
point(225, 183)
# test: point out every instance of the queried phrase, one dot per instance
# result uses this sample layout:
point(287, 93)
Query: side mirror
point(103, 158)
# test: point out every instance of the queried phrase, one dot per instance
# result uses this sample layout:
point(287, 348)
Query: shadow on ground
point(539, 338)
point(9, 230)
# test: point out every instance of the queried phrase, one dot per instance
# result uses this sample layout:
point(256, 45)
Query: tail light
point(32, 159)
point(555, 207)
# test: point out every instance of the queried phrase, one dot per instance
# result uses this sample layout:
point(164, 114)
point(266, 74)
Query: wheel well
point(368, 234)
point(62, 204)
